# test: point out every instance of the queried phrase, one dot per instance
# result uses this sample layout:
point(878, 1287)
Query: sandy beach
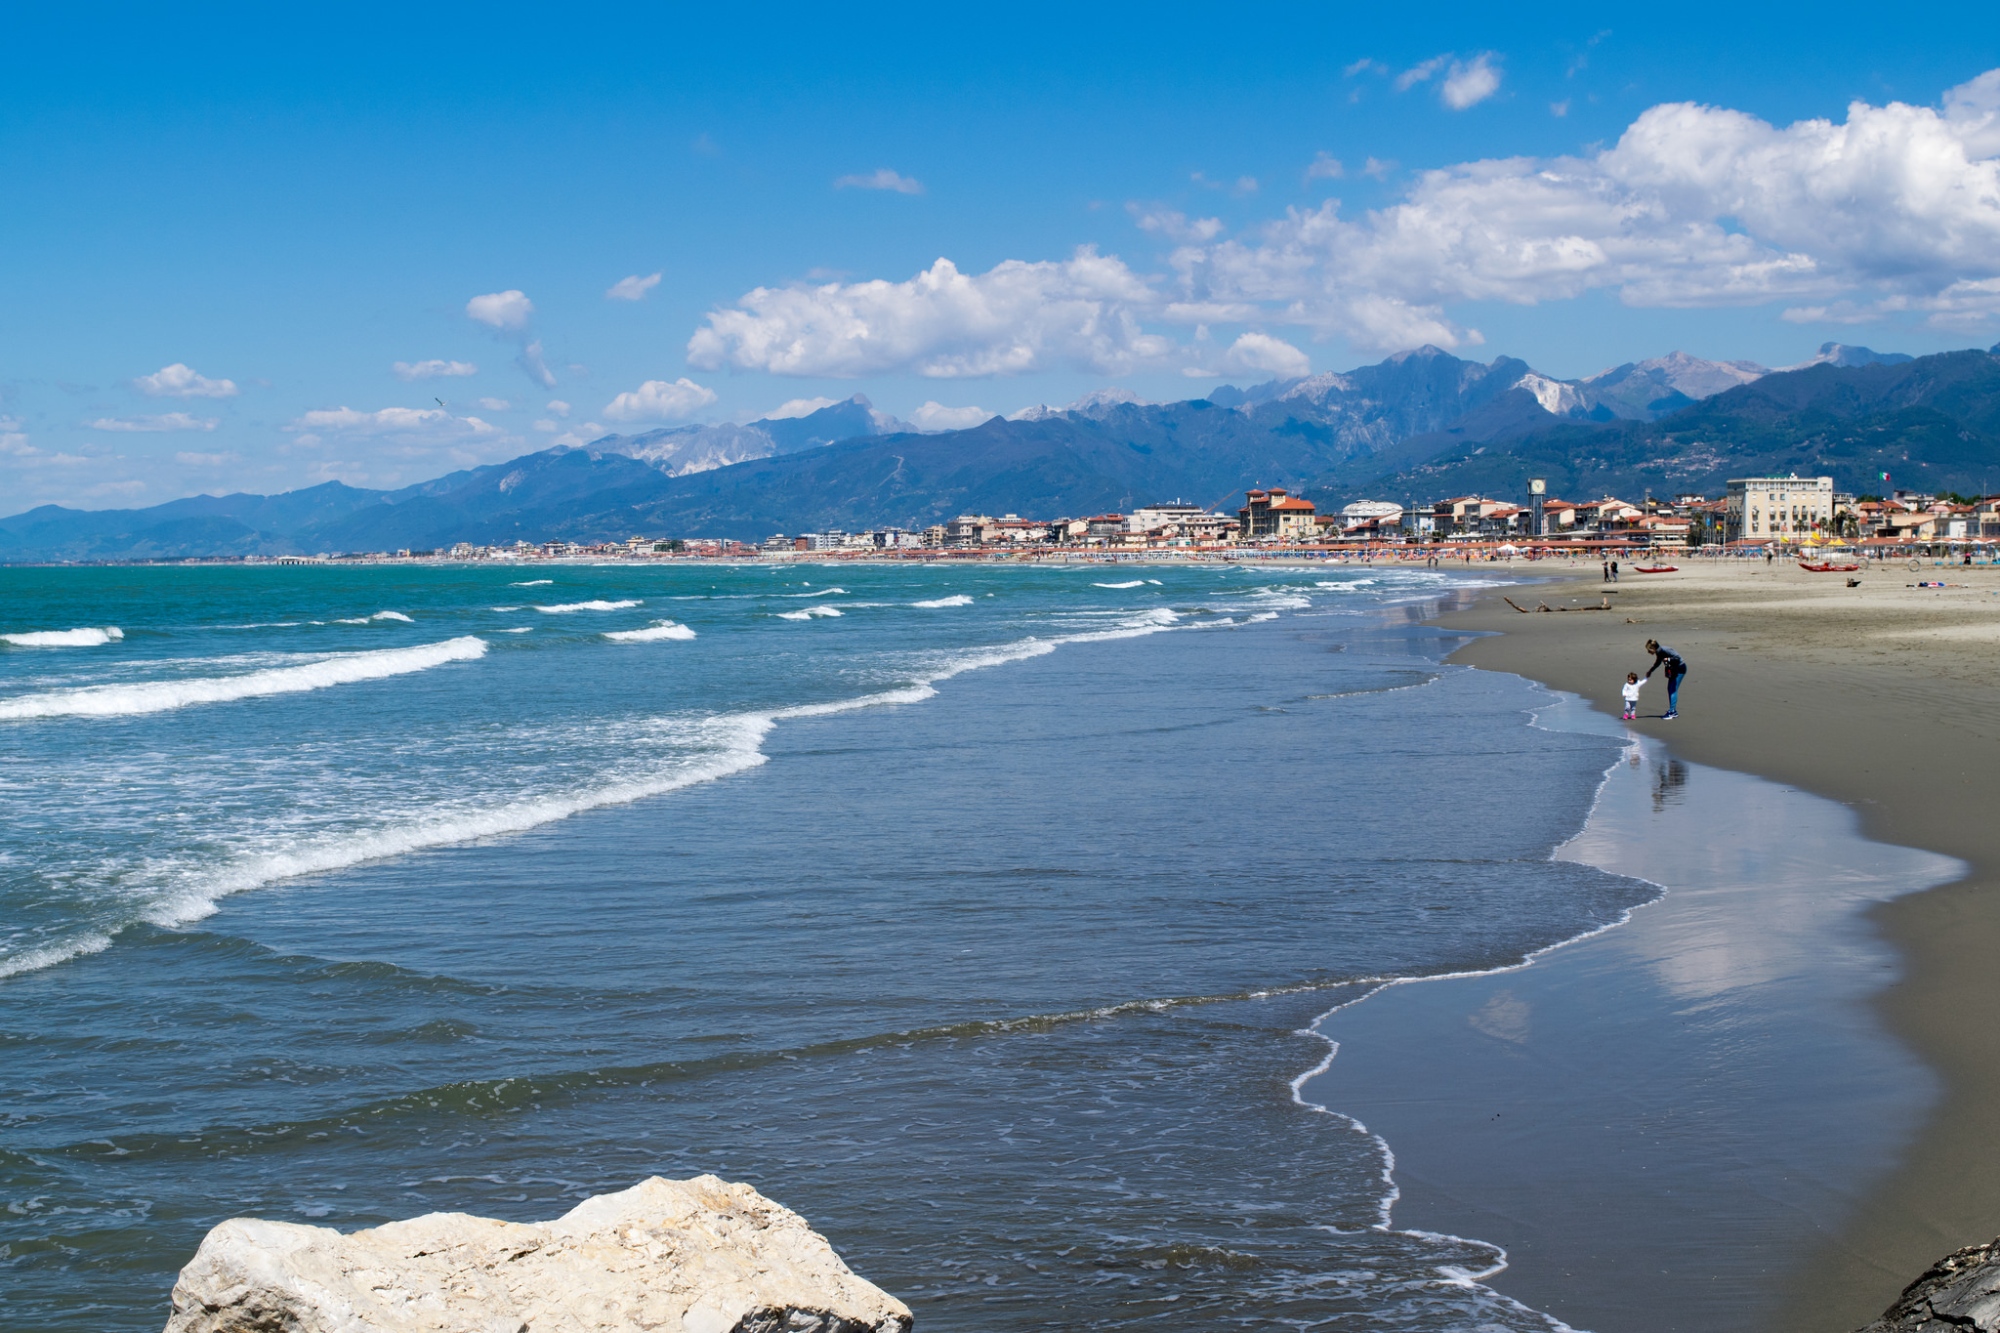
point(1883, 698)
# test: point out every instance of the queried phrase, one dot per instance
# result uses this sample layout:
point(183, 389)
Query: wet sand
point(1884, 698)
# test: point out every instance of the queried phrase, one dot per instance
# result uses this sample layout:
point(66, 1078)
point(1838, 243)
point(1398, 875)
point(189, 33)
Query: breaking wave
point(1135, 583)
point(532, 583)
point(564, 608)
point(956, 599)
point(659, 629)
point(807, 613)
point(64, 638)
point(379, 615)
point(160, 696)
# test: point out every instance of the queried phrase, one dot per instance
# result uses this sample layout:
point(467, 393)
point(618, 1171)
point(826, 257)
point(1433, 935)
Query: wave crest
point(64, 638)
point(162, 695)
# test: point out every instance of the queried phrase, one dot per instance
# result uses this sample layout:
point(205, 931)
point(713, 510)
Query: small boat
point(1656, 569)
point(1828, 567)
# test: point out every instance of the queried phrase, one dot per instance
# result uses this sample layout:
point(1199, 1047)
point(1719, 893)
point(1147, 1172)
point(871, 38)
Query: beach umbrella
point(1508, 548)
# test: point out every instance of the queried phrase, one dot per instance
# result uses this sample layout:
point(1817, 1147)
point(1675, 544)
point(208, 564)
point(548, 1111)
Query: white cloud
point(413, 425)
point(179, 381)
point(937, 417)
point(534, 367)
point(578, 435)
point(204, 460)
point(1418, 73)
point(633, 288)
point(501, 310)
point(1019, 316)
point(431, 370)
point(658, 400)
point(1897, 209)
point(1173, 225)
point(798, 407)
point(1470, 82)
point(165, 421)
point(1259, 353)
point(1894, 210)
point(880, 179)
point(557, 407)
point(1325, 167)
point(495, 404)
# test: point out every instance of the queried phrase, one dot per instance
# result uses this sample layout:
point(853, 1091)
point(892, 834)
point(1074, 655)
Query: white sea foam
point(1135, 583)
point(823, 592)
point(196, 889)
point(379, 615)
point(520, 629)
point(956, 599)
point(189, 892)
point(659, 629)
point(809, 612)
point(64, 638)
point(503, 610)
point(159, 696)
point(34, 960)
point(564, 608)
point(533, 583)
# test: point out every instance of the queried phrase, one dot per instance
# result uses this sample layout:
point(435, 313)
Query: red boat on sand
point(1828, 567)
point(1656, 569)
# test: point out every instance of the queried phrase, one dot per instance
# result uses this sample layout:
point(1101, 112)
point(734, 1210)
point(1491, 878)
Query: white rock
point(677, 1256)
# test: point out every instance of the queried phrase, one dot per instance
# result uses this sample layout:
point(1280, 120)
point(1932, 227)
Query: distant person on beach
point(1606, 566)
point(1677, 668)
point(1614, 571)
point(1631, 693)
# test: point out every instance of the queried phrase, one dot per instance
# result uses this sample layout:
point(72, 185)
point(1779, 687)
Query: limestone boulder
point(677, 1256)
point(1960, 1294)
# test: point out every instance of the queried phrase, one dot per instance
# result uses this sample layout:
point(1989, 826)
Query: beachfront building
point(1276, 514)
point(1477, 516)
point(1777, 508)
point(1384, 514)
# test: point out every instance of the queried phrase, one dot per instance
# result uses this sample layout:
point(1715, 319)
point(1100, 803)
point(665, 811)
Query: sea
point(982, 913)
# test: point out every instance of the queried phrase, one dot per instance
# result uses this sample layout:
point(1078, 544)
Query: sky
point(257, 248)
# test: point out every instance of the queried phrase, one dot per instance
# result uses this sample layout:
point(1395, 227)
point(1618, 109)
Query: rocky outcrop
point(1960, 1294)
point(676, 1256)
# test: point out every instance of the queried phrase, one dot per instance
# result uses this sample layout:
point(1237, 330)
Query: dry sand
point(1884, 697)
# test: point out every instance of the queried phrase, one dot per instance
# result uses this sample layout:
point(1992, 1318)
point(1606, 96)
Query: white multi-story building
point(1777, 508)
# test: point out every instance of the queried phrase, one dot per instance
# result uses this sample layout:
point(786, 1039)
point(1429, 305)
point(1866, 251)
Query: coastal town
point(1755, 515)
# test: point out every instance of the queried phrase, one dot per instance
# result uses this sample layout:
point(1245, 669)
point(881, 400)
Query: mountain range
point(1416, 426)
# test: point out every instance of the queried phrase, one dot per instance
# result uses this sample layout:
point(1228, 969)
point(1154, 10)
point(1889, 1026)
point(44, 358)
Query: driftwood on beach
point(1604, 605)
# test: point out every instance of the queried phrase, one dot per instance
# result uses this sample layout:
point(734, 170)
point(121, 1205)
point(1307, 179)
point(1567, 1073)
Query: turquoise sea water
point(975, 912)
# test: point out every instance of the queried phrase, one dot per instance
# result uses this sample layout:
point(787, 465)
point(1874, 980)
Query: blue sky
point(225, 227)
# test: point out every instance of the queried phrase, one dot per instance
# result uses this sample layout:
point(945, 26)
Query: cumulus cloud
point(798, 407)
point(186, 459)
point(495, 404)
point(421, 425)
point(880, 179)
point(557, 407)
point(1018, 316)
point(431, 370)
point(1891, 210)
point(659, 400)
point(1895, 209)
point(1470, 82)
point(179, 381)
point(1261, 354)
point(501, 310)
point(165, 421)
point(1325, 167)
point(934, 417)
point(633, 288)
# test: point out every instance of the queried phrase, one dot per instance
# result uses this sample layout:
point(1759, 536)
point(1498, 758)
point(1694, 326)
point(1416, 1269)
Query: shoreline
point(1878, 699)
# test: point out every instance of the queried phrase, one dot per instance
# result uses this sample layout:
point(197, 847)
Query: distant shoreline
point(1882, 698)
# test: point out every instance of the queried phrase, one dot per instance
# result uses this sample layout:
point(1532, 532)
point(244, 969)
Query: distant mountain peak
point(1840, 354)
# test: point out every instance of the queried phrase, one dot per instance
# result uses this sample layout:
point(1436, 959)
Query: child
point(1631, 693)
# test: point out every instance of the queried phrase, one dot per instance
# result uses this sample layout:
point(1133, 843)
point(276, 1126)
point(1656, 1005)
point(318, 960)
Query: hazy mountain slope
point(679, 450)
point(1932, 423)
